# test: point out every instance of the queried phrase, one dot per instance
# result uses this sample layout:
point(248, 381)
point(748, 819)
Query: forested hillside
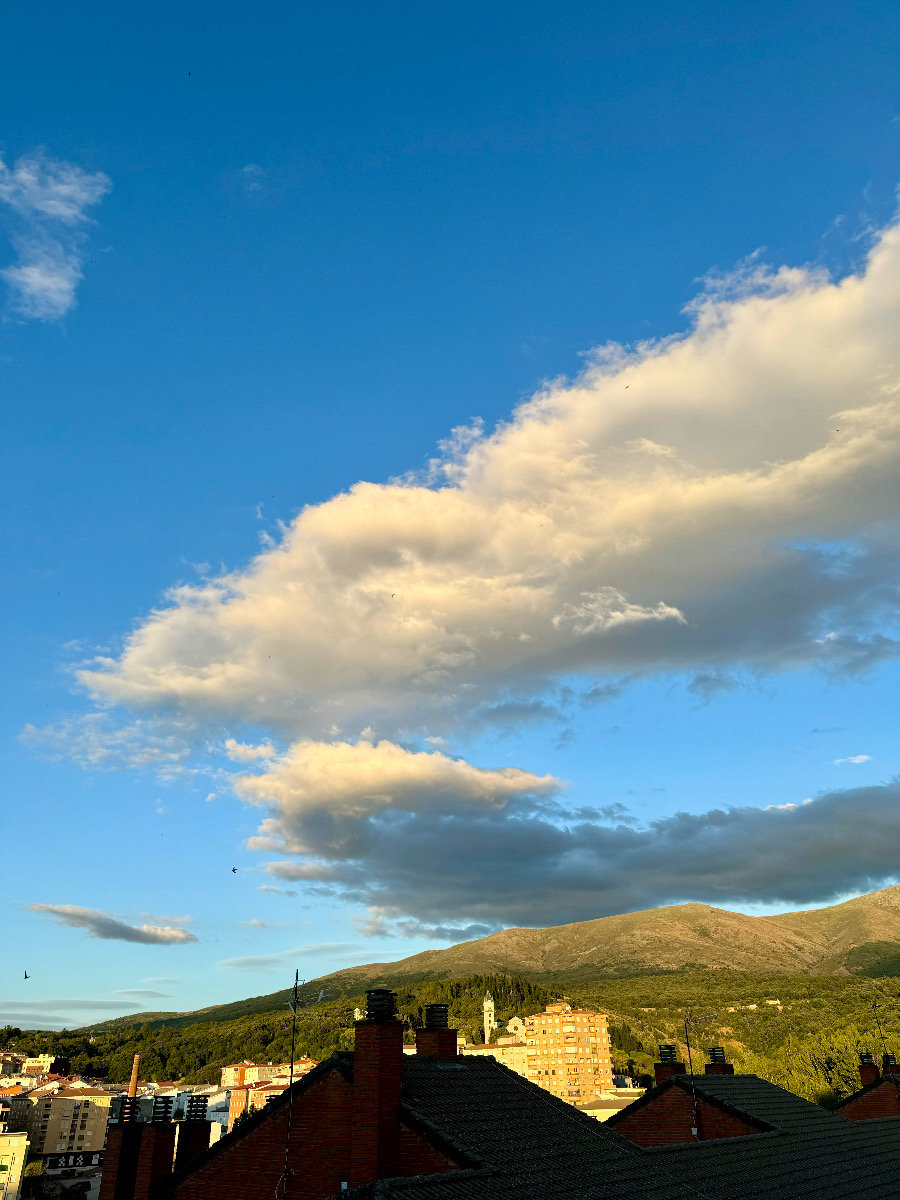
point(197, 1052)
point(802, 1032)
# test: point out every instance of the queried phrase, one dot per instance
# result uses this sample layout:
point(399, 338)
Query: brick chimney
point(868, 1068)
point(377, 1073)
point(889, 1065)
point(718, 1064)
point(436, 1040)
point(668, 1064)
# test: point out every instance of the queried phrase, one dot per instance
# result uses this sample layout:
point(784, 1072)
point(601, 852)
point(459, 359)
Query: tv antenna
point(293, 1005)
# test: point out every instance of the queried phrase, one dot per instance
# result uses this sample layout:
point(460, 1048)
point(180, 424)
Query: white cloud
point(707, 503)
point(102, 925)
point(352, 781)
point(566, 542)
point(49, 199)
point(854, 758)
point(241, 752)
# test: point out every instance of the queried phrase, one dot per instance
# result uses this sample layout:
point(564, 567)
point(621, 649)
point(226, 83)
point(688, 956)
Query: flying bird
point(27, 976)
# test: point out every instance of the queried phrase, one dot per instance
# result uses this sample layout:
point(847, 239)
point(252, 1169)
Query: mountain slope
point(815, 941)
point(860, 936)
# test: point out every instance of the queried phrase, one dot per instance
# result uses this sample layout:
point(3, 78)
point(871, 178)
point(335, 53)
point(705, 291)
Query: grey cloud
point(103, 925)
point(520, 869)
point(707, 684)
point(264, 887)
point(376, 926)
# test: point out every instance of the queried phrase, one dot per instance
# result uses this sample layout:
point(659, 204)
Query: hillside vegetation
point(806, 1040)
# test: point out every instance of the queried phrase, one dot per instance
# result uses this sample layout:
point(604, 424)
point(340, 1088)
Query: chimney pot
point(381, 1005)
point(668, 1064)
point(436, 1016)
point(868, 1070)
point(718, 1064)
point(436, 1040)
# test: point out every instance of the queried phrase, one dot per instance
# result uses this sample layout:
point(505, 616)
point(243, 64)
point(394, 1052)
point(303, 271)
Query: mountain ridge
point(858, 936)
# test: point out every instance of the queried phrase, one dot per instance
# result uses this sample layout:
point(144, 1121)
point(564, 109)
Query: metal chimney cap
point(381, 1005)
point(865, 1058)
point(717, 1054)
point(889, 1059)
point(668, 1053)
point(436, 1016)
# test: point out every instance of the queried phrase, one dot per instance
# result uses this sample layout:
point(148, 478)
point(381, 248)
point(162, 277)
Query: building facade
point(246, 1072)
point(568, 1052)
point(70, 1120)
point(511, 1051)
point(45, 1064)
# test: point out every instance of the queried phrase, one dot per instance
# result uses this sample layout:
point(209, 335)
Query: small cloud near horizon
point(854, 758)
point(103, 925)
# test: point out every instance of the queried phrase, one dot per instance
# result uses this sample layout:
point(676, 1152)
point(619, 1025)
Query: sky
point(451, 479)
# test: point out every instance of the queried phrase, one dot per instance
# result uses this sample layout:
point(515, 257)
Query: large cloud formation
point(102, 925)
point(522, 868)
point(719, 499)
point(683, 504)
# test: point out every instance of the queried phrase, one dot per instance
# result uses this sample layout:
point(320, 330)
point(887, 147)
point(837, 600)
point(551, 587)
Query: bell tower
point(489, 1023)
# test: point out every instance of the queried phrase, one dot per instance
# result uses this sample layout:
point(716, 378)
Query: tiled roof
point(809, 1154)
point(870, 1087)
point(523, 1143)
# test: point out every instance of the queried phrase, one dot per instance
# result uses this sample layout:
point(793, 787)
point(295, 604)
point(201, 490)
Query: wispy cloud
point(103, 925)
point(275, 891)
point(854, 758)
point(93, 740)
point(143, 994)
point(272, 962)
point(48, 200)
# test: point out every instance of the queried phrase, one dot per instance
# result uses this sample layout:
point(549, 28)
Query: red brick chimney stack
point(889, 1066)
point(436, 1040)
point(668, 1064)
point(377, 1073)
point(868, 1068)
point(718, 1065)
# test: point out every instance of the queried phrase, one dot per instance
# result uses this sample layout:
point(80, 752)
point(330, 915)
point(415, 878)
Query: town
point(534, 1110)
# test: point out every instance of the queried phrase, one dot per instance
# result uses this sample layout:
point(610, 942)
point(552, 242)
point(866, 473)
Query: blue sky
point(265, 609)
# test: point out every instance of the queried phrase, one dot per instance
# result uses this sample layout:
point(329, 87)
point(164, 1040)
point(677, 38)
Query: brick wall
point(322, 1134)
point(191, 1141)
point(123, 1144)
point(882, 1101)
point(667, 1120)
point(155, 1160)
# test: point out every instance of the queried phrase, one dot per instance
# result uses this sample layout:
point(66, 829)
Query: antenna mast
point(293, 1005)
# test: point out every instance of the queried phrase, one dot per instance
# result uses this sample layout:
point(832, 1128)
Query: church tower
point(489, 1023)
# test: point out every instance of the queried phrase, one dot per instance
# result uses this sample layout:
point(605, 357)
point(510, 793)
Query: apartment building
point(511, 1051)
point(45, 1064)
point(246, 1072)
point(13, 1152)
point(70, 1119)
point(568, 1052)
